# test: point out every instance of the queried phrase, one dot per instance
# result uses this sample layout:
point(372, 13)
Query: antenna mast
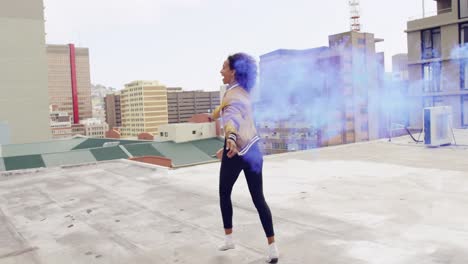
point(355, 15)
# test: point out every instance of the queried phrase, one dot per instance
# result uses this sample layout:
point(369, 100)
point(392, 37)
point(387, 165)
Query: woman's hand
point(207, 117)
point(231, 147)
point(219, 154)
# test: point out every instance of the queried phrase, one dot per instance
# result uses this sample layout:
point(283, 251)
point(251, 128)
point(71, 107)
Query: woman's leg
point(230, 170)
point(253, 166)
point(254, 181)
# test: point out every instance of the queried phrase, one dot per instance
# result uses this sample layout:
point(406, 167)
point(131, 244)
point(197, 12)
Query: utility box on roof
point(437, 126)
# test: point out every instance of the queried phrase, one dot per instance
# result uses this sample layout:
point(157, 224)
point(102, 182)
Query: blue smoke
point(317, 87)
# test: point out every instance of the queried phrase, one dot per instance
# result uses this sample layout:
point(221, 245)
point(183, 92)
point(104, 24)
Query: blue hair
point(246, 69)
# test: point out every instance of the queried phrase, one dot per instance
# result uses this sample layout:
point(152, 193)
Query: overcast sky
point(184, 42)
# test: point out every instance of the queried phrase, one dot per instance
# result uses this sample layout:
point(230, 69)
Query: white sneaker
point(228, 243)
point(226, 246)
point(273, 253)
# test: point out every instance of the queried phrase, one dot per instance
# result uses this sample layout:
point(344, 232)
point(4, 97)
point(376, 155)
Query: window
point(463, 5)
point(194, 132)
point(431, 77)
point(430, 43)
point(161, 134)
point(463, 34)
point(464, 111)
point(464, 74)
point(166, 134)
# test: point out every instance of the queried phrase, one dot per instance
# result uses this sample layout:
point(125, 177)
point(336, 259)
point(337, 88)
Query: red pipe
point(76, 114)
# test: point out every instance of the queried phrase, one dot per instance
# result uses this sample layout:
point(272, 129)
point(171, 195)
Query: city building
point(95, 128)
point(397, 87)
point(113, 110)
point(143, 107)
point(60, 123)
point(184, 132)
point(437, 62)
point(400, 67)
point(78, 129)
point(24, 102)
point(69, 80)
point(322, 96)
point(182, 105)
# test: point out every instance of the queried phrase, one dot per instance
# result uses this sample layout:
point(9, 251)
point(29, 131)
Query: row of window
point(431, 41)
point(432, 76)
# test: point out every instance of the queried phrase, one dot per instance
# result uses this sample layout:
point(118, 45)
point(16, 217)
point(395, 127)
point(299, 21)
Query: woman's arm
point(216, 112)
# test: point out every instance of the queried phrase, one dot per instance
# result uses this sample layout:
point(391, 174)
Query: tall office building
point(438, 62)
point(69, 80)
point(24, 104)
point(321, 96)
point(182, 105)
point(113, 110)
point(144, 107)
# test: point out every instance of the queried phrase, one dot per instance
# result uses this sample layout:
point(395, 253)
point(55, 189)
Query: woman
point(241, 150)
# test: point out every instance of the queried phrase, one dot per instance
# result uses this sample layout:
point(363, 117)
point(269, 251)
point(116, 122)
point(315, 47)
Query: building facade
point(113, 110)
point(182, 105)
point(144, 108)
point(438, 62)
point(321, 96)
point(24, 102)
point(95, 128)
point(400, 67)
point(60, 124)
point(69, 80)
point(184, 132)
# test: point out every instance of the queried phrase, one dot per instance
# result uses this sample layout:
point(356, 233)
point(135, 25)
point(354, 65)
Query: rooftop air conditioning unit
point(437, 126)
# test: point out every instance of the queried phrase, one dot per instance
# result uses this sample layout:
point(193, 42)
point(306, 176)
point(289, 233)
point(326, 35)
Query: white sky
point(184, 42)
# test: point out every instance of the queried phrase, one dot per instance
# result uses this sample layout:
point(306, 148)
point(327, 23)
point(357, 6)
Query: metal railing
point(431, 14)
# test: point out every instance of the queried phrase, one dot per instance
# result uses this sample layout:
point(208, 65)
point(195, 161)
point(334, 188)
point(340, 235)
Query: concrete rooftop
point(378, 202)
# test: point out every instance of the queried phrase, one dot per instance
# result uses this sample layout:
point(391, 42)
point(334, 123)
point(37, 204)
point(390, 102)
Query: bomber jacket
point(236, 113)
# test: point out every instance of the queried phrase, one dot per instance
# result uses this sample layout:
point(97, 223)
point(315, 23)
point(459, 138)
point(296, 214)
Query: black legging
point(251, 163)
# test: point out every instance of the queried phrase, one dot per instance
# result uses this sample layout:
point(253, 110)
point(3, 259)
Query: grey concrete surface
point(378, 202)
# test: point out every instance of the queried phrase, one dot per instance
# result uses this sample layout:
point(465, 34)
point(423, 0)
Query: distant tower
point(355, 15)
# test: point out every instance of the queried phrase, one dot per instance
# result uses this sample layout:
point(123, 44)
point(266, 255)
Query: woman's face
point(227, 73)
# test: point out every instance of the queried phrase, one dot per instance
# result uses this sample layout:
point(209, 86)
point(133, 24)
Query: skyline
point(184, 42)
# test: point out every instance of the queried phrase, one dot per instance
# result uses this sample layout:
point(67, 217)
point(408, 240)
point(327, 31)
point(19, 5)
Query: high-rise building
point(69, 80)
point(321, 96)
point(144, 107)
point(24, 104)
point(182, 105)
point(113, 110)
point(438, 62)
